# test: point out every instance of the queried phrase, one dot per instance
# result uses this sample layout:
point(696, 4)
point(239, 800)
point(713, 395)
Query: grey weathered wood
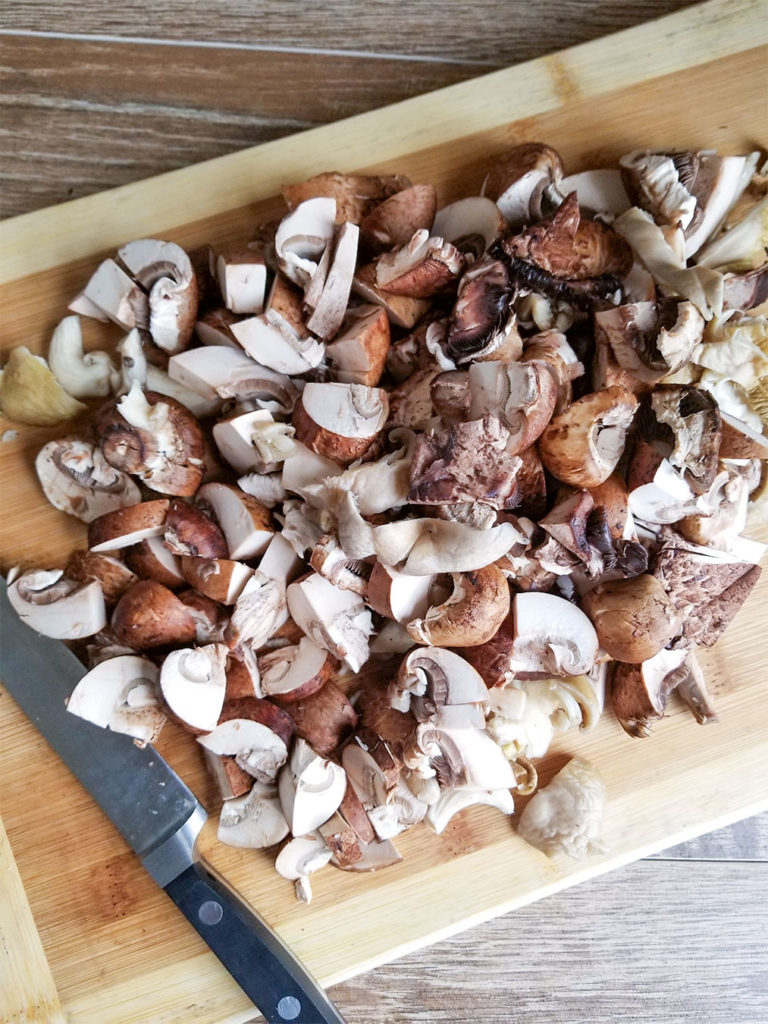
point(746, 840)
point(593, 954)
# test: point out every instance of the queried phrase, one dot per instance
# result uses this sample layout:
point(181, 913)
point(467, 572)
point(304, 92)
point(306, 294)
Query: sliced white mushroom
point(311, 789)
point(335, 619)
point(162, 383)
point(460, 757)
point(552, 636)
point(82, 375)
point(77, 479)
point(256, 748)
point(329, 310)
point(430, 678)
point(253, 821)
point(302, 237)
point(299, 858)
point(166, 272)
point(117, 295)
point(193, 681)
point(452, 801)
point(55, 606)
point(273, 348)
point(121, 694)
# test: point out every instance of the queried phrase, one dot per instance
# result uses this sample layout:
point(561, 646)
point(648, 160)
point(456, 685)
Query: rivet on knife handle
point(265, 969)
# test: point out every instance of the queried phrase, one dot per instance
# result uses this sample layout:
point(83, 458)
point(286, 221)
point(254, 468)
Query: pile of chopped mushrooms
point(388, 496)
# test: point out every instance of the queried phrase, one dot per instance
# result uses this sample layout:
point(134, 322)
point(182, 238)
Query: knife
point(160, 818)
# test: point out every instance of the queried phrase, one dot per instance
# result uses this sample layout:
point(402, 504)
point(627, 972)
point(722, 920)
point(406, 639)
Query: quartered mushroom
point(127, 525)
point(193, 682)
point(114, 575)
point(640, 691)
point(390, 804)
point(150, 615)
point(253, 441)
point(398, 595)
point(256, 748)
point(517, 180)
point(340, 421)
point(246, 524)
point(53, 605)
point(396, 219)
point(335, 619)
point(165, 272)
point(295, 671)
point(634, 619)
point(324, 718)
point(358, 353)
point(150, 559)
point(77, 479)
point(311, 789)
point(221, 579)
point(121, 694)
point(552, 637)
point(421, 268)
point(522, 395)
point(241, 274)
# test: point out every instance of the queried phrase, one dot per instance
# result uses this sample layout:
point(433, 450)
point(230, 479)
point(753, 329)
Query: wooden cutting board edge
point(687, 38)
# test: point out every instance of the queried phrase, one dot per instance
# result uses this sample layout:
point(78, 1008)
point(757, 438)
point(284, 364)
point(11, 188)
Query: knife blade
point(160, 818)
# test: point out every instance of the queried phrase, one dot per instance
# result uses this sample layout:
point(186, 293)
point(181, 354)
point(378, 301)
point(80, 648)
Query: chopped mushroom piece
point(299, 858)
point(121, 694)
point(471, 615)
point(58, 607)
point(340, 421)
point(253, 821)
point(566, 816)
point(193, 683)
point(82, 375)
point(552, 637)
point(77, 479)
point(311, 789)
point(256, 748)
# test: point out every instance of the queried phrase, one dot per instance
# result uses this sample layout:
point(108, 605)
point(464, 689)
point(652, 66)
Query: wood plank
point(494, 33)
point(27, 992)
point(743, 841)
point(666, 942)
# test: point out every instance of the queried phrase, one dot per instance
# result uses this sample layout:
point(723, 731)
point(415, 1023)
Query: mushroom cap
point(150, 615)
point(634, 618)
point(472, 614)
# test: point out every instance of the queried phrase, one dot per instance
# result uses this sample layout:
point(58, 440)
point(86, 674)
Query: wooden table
point(96, 96)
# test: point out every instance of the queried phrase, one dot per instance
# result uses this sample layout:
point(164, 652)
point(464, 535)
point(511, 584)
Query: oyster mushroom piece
point(156, 439)
point(358, 354)
point(430, 678)
point(552, 637)
point(333, 618)
point(651, 340)
point(634, 619)
point(695, 424)
point(311, 789)
point(77, 479)
point(253, 821)
point(517, 179)
point(582, 445)
point(150, 615)
point(452, 801)
point(470, 616)
point(121, 694)
point(128, 525)
point(260, 609)
point(58, 607)
point(296, 671)
point(256, 748)
point(193, 681)
point(301, 857)
point(167, 274)
point(471, 225)
point(566, 816)
point(82, 375)
point(30, 393)
point(340, 421)
point(522, 395)
point(302, 236)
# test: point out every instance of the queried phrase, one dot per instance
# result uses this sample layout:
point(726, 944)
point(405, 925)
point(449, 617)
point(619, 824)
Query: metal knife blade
point(160, 819)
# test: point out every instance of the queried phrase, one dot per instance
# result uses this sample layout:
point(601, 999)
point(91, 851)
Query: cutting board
point(116, 949)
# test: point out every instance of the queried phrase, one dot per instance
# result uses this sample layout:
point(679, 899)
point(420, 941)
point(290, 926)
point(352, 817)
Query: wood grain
point(629, 946)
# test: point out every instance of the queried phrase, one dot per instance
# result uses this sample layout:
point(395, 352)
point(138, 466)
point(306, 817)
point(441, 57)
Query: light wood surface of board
point(117, 951)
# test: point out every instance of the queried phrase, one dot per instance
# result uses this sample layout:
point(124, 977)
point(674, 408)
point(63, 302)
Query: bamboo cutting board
point(117, 951)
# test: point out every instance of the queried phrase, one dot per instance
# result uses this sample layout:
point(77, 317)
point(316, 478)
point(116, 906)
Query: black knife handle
point(280, 986)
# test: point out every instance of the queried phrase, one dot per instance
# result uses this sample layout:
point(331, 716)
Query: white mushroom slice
point(598, 191)
point(311, 789)
point(328, 312)
point(296, 671)
point(552, 636)
point(303, 236)
point(432, 677)
point(280, 561)
point(57, 607)
point(82, 375)
point(118, 297)
point(299, 858)
point(460, 757)
point(256, 748)
point(210, 369)
point(451, 801)
point(242, 279)
point(340, 421)
point(742, 245)
point(246, 524)
point(77, 479)
point(335, 619)
point(193, 681)
point(471, 224)
point(274, 348)
point(121, 694)
point(253, 821)
point(253, 441)
point(165, 270)
point(566, 816)
point(161, 383)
